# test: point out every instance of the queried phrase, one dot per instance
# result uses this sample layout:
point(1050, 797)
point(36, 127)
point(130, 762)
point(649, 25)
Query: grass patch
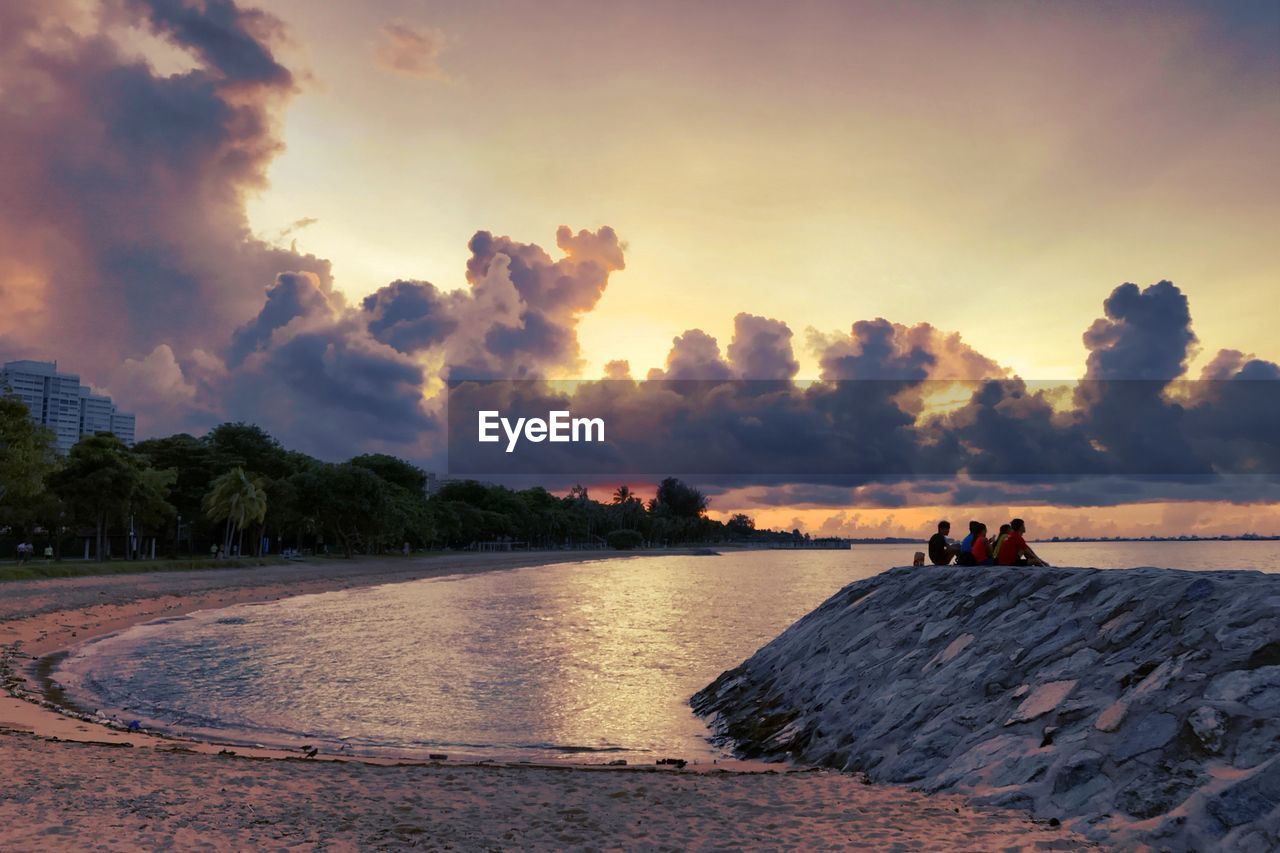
point(76, 568)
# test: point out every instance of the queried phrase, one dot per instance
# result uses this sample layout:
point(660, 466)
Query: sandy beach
point(72, 784)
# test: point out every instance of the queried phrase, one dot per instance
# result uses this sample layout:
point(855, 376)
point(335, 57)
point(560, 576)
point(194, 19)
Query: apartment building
point(58, 401)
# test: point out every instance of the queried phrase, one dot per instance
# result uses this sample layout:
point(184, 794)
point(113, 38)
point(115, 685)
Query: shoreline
point(140, 789)
point(32, 646)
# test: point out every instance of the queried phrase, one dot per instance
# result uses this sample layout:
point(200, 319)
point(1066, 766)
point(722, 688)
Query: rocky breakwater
point(1140, 707)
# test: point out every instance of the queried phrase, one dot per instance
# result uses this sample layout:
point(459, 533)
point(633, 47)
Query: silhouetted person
point(965, 557)
point(999, 538)
point(1014, 550)
point(941, 550)
point(981, 548)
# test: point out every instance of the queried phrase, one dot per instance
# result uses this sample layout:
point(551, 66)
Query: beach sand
point(76, 785)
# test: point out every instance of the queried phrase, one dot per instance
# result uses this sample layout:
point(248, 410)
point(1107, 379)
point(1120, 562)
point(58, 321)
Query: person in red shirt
point(1014, 550)
point(981, 548)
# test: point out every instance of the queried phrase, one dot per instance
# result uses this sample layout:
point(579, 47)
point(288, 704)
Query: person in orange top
point(1014, 550)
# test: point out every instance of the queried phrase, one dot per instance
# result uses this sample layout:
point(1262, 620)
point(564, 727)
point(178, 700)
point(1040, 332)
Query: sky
point(816, 162)
point(309, 215)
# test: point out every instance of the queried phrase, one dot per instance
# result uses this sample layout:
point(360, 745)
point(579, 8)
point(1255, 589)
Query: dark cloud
point(331, 392)
point(1008, 429)
point(876, 349)
point(411, 316)
point(1146, 334)
point(1098, 442)
point(122, 190)
point(1256, 369)
point(879, 349)
point(1139, 346)
point(562, 289)
point(694, 355)
point(316, 376)
point(230, 40)
point(1233, 418)
point(1233, 364)
point(519, 316)
point(331, 377)
point(522, 316)
point(761, 348)
point(1223, 365)
point(295, 295)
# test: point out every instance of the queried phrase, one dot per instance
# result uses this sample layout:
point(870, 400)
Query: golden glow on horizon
point(1202, 518)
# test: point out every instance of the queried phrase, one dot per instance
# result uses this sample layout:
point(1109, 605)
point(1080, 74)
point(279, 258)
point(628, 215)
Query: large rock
point(1140, 706)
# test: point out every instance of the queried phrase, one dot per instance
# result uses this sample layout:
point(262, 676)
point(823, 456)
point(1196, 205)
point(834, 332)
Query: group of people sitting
point(1007, 548)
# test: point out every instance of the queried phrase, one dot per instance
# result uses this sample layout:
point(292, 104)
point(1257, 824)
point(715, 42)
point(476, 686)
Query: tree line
point(239, 490)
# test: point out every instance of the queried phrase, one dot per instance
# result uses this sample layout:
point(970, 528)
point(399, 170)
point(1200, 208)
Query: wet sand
point(74, 784)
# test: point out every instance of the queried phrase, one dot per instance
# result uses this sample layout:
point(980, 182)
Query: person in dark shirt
point(941, 551)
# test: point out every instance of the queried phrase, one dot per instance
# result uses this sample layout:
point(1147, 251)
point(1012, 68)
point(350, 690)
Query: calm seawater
point(585, 661)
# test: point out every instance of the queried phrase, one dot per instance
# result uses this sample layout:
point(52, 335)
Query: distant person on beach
point(941, 550)
point(965, 557)
point(1014, 550)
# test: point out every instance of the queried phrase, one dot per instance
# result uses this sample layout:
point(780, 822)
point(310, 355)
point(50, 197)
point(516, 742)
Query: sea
point(586, 662)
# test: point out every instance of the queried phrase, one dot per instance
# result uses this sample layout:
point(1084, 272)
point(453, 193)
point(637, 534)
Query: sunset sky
point(994, 170)
point(815, 162)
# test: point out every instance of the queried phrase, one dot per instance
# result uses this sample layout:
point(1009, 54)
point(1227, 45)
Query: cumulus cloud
point(331, 376)
point(307, 368)
point(879, 349)
point(1234, 364)
point(517, 319)
point(1135, 351)
point(295, 297)
point(761, 348)
point(694, 355)
point(156, 383)
point(1146, 334)
point(859, 436)
point(122, 190)
point(413, 50)
point(617, 369)
point(411, 316)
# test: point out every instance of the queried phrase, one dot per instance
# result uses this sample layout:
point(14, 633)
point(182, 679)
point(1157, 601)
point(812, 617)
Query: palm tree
point(623, 495)
point(238, 500)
